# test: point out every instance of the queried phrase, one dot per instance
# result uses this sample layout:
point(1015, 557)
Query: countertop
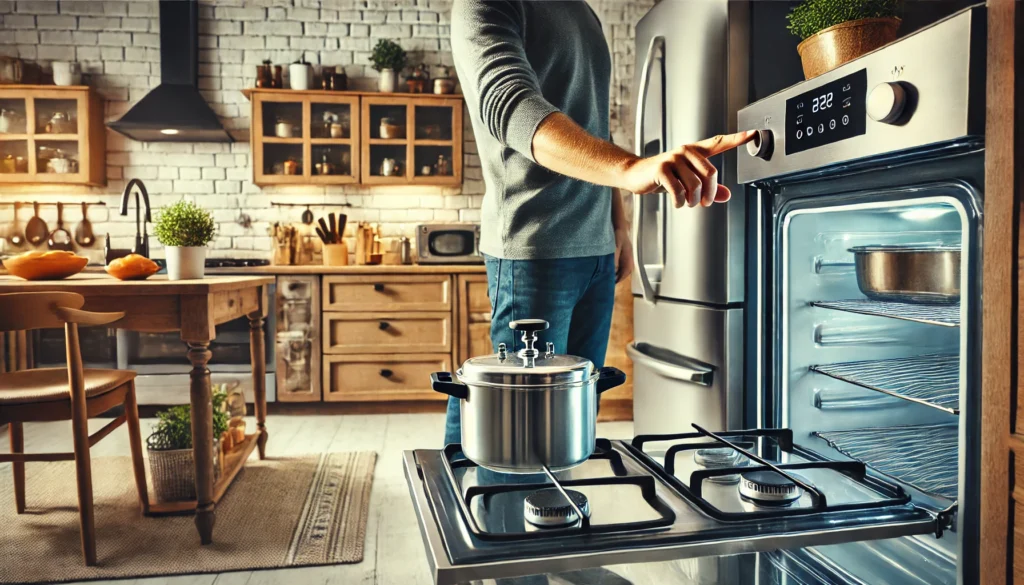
point(104, 285)
point(320, 269)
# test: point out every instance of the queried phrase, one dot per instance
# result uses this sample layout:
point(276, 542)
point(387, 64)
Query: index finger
point(723, 142)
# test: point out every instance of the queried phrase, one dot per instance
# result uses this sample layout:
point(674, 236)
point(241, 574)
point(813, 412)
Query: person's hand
point(623, 254)
point(685, 173)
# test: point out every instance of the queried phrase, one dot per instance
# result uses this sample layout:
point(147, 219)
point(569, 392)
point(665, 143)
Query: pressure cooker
point(526, 411)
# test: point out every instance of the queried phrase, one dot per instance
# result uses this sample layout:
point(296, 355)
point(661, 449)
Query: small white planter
point(185, 262)
point(387, 81)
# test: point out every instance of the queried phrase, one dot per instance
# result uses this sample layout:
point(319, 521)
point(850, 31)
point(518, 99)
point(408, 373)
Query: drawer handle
point(386, 373)
point(384, 325)
point(379, 287)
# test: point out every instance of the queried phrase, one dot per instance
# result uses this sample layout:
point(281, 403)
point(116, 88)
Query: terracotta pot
point(830, 48)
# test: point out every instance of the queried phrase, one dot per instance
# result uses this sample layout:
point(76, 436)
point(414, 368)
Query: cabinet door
point(473, 317)
point(297, 339)
point(333, 131)
point(437, 141)
point(280, 125)
point(386, 140)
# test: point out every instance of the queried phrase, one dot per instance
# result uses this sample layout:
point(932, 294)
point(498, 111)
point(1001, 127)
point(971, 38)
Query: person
point(536, 80)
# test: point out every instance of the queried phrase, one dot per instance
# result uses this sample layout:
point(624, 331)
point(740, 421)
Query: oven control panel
point(829, 113)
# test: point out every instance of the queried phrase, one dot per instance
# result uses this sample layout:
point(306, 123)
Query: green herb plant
point(813, 16)
point(387, 55)
point(184, 224)
point(174, 426)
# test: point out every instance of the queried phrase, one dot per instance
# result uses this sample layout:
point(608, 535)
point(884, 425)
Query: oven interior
point(882, 381)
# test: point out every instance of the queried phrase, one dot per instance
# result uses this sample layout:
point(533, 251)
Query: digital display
point(830, 113)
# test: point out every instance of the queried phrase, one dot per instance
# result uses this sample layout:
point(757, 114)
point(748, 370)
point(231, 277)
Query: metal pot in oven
point(530, 410)
point(912, 274)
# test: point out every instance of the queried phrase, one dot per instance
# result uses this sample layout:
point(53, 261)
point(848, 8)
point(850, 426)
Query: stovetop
point(226, 262)
point(645, 505)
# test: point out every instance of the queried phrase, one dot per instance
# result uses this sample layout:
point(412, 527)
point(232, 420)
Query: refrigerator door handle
point(671, 364)
point(657, 44)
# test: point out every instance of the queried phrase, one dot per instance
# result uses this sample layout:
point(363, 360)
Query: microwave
point(452, 243)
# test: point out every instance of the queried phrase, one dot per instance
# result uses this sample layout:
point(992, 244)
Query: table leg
point(202, 437)
point(258, 356)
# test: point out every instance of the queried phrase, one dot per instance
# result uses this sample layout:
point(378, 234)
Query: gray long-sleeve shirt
point(518, 62)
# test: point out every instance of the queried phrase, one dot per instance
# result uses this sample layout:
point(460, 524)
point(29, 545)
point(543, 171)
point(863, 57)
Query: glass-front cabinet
point(51, 134)
point(301, 137)
point(412, 140)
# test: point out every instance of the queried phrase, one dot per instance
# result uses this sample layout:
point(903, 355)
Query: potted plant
point(388, 58)
point(170, 450)
point(837, 31)
point(185, 229)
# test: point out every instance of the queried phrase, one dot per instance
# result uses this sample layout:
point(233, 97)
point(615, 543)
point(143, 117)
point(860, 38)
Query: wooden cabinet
point(304, 137)
point(392, 377)
point(52, 135)
point(318, 137)
point(422, 135)
point(474, 317)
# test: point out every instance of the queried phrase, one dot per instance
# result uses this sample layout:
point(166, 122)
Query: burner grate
point(932, 380)
point(943, 315)
point(923, 456)
point(604, 450)
point(891, 494)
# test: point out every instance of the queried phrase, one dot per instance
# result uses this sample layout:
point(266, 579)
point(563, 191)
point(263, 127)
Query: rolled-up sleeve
point(490, 59)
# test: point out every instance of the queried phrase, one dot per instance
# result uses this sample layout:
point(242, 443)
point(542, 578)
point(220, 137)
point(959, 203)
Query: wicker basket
point(174, 473)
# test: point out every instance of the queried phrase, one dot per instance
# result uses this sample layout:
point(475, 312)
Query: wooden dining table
point(194, 308)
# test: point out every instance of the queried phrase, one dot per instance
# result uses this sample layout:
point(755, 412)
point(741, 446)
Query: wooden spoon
point(36, 230)
point(83, 233)
point(60, 239)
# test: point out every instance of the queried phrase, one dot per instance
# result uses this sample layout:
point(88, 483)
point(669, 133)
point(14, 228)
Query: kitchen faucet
point(141, 235)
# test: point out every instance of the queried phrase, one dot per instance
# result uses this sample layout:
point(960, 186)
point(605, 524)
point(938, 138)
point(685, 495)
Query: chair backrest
point(35, 310)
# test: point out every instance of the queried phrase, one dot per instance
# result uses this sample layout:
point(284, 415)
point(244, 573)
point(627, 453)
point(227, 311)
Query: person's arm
point(561, 145)
point(623, 242)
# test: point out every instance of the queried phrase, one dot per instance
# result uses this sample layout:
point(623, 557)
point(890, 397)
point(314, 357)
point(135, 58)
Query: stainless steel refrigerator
point(688, 286)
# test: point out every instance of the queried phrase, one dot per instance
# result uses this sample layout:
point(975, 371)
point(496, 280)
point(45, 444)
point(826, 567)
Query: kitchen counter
point(353, 269)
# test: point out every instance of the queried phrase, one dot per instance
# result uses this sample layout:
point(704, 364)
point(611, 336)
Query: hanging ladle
point(307, 216)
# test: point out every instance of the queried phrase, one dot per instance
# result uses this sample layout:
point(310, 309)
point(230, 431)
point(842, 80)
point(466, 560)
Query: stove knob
point(886, 102)
point(761, 145)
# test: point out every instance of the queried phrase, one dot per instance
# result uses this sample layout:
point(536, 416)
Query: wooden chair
point(72, 393)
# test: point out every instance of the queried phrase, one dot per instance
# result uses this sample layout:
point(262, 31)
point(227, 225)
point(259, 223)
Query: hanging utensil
point(15, 236)
point(36, 230)
point(307, 216)
point(60, 238)
point(83, 233)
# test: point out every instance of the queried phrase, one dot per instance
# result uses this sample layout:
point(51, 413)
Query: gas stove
point(655, 498)
point(226, 262)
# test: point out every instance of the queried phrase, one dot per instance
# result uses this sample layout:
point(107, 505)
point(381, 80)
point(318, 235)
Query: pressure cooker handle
point(529, 325)
point(444, 383)
point(609, 378)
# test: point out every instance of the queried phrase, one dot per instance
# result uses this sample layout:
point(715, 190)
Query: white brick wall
point(117, 43)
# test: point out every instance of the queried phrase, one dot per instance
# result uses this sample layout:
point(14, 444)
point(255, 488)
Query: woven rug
point(282, 512)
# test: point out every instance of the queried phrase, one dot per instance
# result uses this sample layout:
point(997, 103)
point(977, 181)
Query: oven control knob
point(761, 145)
point(886, 102)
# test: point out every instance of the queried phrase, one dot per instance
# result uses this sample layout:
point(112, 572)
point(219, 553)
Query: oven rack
point(942, 315)
point(922, 456)
point(931, 380)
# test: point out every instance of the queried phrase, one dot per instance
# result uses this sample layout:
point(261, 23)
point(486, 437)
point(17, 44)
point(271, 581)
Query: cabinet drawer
point(374, 378)
point(387, 293)
point(387, 332)
point(479, 340)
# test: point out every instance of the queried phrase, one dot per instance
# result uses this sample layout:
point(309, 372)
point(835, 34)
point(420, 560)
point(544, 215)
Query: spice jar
point(264, 75)
point(389, 128)
point(326, 75)
point(290, 167)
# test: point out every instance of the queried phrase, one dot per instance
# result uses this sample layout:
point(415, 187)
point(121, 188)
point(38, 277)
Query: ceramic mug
point(66, 73)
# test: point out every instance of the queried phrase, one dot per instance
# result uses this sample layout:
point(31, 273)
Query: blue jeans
point(574, 295)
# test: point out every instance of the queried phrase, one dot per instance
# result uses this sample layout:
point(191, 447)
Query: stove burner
point(235, 262)
point(767, 488)
point(717, 458)
point(548, 509)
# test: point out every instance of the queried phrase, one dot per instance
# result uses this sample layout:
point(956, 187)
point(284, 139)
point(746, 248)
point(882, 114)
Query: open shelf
point(924, 456)
point(932, 380)
point(942, 315)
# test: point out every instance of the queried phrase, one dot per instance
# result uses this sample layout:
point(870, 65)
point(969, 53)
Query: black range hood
point(175, 111)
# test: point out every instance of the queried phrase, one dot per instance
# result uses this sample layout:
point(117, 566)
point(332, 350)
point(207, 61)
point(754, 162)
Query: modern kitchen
point(254, 233)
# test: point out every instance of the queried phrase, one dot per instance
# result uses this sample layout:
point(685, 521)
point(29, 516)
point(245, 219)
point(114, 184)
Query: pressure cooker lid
point(528, 366)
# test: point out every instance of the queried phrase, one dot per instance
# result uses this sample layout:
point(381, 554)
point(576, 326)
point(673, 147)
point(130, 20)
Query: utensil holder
point(335, 254)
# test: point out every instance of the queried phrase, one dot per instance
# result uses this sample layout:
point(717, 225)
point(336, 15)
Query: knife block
point(335, 254)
